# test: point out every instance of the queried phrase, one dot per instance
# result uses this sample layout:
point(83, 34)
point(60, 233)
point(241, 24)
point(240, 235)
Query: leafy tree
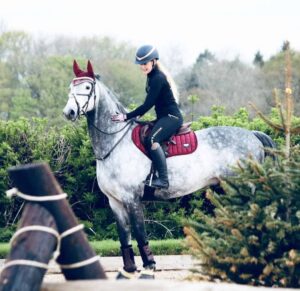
point(46, 89)
point(231, 84)
point(15, 49)
point(6, 79)
point(126, 79)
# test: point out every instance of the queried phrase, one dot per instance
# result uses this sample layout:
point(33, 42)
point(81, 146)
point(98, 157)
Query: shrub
point(68, 151)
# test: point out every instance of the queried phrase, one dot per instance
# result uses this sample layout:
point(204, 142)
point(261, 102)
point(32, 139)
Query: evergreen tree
point(205, 58)
point(254, 235)
point(258, 60)
point(285, 46)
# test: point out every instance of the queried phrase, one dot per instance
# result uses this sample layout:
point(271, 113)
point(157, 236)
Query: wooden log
point(38, 180)
point(30, 246)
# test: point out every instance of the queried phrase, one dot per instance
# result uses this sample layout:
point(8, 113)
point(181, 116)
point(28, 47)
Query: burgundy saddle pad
point(182, 144)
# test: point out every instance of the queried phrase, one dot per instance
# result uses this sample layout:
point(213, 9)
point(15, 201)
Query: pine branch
point(268, 121)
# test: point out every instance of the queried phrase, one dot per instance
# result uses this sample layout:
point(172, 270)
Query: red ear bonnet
point(76, 69)
point(90, 70)
point(79, 73)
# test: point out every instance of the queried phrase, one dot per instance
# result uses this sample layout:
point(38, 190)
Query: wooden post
point(30, 247)
point(77, 258)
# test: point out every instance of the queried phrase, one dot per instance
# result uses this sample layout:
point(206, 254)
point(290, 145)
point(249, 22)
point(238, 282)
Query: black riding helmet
point(146, 53)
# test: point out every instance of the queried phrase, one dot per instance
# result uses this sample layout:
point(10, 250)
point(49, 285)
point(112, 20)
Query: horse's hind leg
point(136, 215)
point(123, 226)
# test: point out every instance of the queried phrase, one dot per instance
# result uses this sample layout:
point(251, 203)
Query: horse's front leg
point(136, 214)
point(124, 232)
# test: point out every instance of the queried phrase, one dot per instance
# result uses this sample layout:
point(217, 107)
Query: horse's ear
point(90, 69)
point(76, 69)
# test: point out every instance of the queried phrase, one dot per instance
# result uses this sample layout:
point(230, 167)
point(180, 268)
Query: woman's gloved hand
point(120, 117)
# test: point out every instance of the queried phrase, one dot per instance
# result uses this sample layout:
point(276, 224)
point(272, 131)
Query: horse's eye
point(87, 87)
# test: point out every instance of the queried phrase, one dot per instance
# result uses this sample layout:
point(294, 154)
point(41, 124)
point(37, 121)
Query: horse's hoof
point(151, 266)
point(122, 274)
point(147, 274)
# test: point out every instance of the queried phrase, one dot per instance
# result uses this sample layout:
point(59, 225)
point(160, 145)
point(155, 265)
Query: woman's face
point(147, 67)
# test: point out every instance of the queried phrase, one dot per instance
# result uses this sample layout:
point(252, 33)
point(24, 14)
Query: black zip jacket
point(159, 94)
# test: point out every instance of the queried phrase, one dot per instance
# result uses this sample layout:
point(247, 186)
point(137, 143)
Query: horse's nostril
point(72, 113)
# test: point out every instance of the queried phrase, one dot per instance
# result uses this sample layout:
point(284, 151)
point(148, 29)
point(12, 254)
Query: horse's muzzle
point(70, 114)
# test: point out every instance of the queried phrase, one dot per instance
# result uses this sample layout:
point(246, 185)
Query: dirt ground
point(171, 274)
point(168, 268)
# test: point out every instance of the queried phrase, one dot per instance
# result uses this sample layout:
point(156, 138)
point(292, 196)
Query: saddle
point(183, 142)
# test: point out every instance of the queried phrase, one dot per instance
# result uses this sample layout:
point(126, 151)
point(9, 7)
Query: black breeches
point(163, 129)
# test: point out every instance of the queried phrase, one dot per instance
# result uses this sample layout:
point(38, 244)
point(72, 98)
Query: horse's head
point(82, 92)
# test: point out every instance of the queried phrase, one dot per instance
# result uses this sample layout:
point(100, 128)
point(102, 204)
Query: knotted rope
point(15, 192)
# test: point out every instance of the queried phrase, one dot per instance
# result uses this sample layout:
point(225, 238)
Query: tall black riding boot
point(159, 160)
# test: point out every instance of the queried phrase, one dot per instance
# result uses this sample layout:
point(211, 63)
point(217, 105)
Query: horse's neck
point(100, 119)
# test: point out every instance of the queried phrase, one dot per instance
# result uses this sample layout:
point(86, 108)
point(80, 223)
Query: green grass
point(109, 248)
point(4, 249)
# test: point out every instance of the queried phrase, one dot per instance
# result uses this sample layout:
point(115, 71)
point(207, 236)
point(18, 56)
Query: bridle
point(83, 111)
point(80, 80)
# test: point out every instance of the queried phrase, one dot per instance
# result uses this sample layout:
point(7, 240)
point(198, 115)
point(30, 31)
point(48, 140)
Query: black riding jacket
point(159, 94)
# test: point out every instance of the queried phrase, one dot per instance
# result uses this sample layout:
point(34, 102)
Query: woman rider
point(162, 94)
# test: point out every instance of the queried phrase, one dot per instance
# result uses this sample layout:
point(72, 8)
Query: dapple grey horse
point(122, 167)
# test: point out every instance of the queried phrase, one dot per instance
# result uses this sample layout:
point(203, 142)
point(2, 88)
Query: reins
point(116, 144)
point(105, 132)
point(83, 110)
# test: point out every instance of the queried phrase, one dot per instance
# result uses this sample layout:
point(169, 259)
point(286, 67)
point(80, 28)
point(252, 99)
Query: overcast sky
point(228, 28)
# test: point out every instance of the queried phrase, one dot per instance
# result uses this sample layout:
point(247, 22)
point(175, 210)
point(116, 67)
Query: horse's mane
point(112, 94)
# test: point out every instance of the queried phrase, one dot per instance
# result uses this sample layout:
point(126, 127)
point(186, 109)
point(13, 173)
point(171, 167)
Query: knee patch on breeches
point(150, 144)
point(155, 146)
point(151, 141)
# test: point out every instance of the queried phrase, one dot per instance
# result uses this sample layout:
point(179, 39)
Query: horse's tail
point(266, 141)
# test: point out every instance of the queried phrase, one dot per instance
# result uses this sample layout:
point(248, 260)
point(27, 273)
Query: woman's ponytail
point(170, 80)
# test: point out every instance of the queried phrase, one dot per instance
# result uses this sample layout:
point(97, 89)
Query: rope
point(40, 228)
point(25, 263)
point(15, 192)
point(80, 264)
point(35, 228)
point(71, 230)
